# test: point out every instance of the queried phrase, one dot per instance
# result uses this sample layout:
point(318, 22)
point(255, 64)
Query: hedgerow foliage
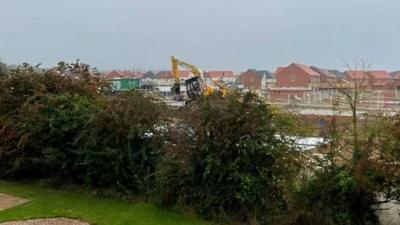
point(339, 197)
point(351, 182)
point(59, 123)
point(122, 144)
point(225, 159)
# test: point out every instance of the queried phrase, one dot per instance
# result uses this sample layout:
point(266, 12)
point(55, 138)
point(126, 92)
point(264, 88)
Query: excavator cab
point(193, 87)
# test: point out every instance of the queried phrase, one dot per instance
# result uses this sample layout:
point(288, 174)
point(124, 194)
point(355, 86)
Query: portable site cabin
point(125, 84)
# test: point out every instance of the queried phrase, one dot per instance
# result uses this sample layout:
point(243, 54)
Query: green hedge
point(59, 124)
point(226, 161)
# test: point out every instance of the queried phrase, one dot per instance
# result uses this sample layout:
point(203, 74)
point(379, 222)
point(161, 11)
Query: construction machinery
point(222, 87)
point(195, 86)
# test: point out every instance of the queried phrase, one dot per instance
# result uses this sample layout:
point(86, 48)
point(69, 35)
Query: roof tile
point(357, 74)
point(306, 69)
point(220, 74)
point(379, 74)
point(323, 72)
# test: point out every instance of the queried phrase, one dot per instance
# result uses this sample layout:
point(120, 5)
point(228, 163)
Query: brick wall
point(251, 80)
point(293, 76)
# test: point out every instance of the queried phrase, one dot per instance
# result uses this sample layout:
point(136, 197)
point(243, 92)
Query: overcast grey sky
point(213, 34)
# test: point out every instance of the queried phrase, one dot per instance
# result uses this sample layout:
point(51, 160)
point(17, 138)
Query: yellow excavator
point(195, 86)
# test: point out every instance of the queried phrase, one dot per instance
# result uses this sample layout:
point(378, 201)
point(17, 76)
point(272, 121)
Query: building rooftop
point(323, 72)
point(379, 74)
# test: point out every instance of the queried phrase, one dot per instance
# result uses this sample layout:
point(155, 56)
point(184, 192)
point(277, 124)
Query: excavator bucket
point(193, 87)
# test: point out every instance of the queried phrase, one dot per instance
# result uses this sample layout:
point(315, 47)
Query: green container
point(125, 84)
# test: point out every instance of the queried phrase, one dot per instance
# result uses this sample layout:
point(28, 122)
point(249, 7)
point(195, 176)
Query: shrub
point(41, 112)
point(59, 123)
point(121, 146)
point(354, 178)
point(225, 159)
point(3, 69)
point(336, 197)
point(45, 135)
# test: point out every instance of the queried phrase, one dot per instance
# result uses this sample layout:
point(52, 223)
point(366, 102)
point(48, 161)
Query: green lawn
point(54, 203)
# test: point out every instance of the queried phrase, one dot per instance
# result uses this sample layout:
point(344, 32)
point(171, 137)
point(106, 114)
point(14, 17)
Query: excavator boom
point(175, 68)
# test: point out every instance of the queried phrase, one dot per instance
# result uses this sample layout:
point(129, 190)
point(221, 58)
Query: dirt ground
point(8, 201)
point(52, 221)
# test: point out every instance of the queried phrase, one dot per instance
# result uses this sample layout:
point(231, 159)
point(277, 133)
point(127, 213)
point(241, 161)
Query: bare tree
point(351, 94)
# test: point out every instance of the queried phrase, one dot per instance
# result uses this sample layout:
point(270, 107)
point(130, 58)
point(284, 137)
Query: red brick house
point(380, 79)
point(374, 79)
point(378, 82)
point(256, 79)
point(358, 76)
point(294, 81)
point(250, 80)
point(351, 75)
point(383, 82)
point(279, 69)
point(296, 75)
point(326, 76)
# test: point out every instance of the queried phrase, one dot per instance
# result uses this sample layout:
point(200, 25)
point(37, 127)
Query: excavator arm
point(175, 69)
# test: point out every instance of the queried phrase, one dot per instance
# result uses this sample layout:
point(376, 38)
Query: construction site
point(296, 85)
point(210, 112)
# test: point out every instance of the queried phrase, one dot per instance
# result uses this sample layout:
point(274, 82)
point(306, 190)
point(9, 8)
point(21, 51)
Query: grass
point(46, 203)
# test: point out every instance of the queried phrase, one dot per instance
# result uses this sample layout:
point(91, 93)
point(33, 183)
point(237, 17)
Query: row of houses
point(299, 81)
point(293, 81)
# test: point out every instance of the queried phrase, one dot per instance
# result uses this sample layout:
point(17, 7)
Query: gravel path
point(8, 201)
point(52, 221)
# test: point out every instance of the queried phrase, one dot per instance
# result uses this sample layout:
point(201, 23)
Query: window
point(292, 77)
